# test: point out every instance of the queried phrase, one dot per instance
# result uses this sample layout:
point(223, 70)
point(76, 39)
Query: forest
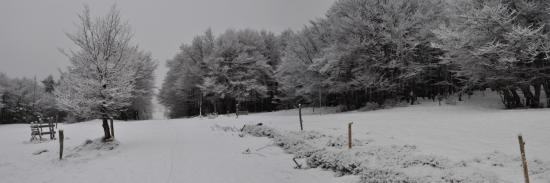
point(361, 53)
point(369, 53)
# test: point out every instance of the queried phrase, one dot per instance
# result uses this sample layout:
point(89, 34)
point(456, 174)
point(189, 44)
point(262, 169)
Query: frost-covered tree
point(365, 50)
point(105, 69)
point(214, 74)
point(22, 100)
point(238, 68)
point(141, 106)
point(49, 84)
point(180, 92)
point(502, 45)
point(371, 51)
point(298, 81)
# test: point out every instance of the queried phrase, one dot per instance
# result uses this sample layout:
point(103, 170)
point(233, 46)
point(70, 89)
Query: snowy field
point(202, 150)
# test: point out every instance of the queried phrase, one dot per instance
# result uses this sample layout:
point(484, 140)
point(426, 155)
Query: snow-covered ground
point(202, 150)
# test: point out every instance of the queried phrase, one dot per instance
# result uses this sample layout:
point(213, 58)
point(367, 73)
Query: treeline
point(369, 51)
point(23, 99)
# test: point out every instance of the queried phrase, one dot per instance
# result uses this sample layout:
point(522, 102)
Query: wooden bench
point(39, 128)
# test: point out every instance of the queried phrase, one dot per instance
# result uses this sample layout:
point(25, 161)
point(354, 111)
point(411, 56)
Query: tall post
point(349, 135)
point(300, 114)
point(200, 106)
point(56, 119)
point(523, 159)
point(237, 110)
point(34, 95)
point(51, 128)
point(61, 137)
point(112, 128)
point(320, 99)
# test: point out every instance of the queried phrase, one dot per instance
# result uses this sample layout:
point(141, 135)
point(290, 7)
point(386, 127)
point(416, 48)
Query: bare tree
point(100, 81)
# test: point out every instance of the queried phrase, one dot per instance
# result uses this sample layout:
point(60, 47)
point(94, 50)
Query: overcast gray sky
point(31, 31)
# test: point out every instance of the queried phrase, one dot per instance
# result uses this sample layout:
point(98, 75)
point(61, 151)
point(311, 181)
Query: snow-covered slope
point(204, 150)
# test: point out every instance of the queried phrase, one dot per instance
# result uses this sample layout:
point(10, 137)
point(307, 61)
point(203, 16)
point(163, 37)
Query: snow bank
point(395, 163)
point(96, 147)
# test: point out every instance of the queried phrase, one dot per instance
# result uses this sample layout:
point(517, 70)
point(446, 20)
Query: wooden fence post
point(300, 114)
point(237, 110)
point(523, 159)
point(112, 128)
point(349, 135)
point(61, 137)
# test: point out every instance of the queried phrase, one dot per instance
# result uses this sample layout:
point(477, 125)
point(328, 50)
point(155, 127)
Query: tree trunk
point(546, 86)
point(506, 98)
point(516, 102)
point(106, 129)
point(537, 95)
point(529, 97)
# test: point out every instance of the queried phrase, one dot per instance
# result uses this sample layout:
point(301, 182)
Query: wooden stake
point(61, 137)
point(237, 110)
point(349, 135)
point(300, 114)
point(523, 159)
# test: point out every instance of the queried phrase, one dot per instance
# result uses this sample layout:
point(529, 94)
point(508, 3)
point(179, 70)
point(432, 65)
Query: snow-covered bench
point(39, 128)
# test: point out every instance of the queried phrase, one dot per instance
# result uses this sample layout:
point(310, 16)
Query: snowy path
point(153, 151)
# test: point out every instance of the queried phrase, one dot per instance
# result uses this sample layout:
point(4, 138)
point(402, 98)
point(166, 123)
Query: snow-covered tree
point(101, 80)
point(371, 51)
point(239, 66)
point(364, 50)
point(144, 81)
point(180, 91)
point(216, 73)
point(501, 45)
point(22, 100)
point(49, 84)
point(298, 81)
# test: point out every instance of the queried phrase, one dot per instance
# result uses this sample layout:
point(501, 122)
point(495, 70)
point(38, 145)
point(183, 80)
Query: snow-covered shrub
point(426, 160)
point(498, 159)
point(468, 175)
point(224, 128)
point(296, 143)
point(341, 161)
point(297, 146)
point(259, 131)
point(342, 141)
point(354, 161)
point(538, 167)
point(387, 164)
point(97, 144)
point(390, 156)
point(386, 176)
point(92, 148)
